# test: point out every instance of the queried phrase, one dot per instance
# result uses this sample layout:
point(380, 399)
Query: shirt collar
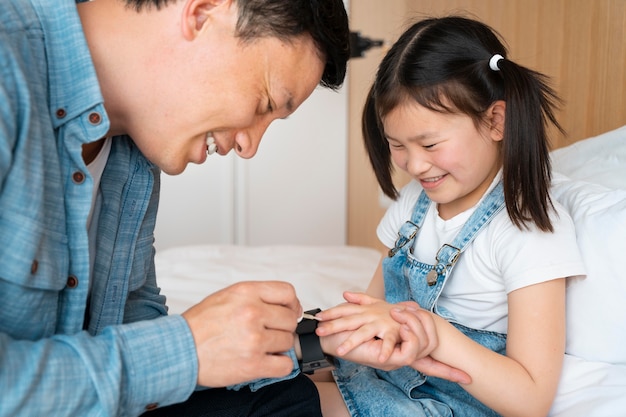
point(72, 80)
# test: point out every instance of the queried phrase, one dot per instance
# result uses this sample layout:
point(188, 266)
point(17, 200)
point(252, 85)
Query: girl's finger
point(359, 298)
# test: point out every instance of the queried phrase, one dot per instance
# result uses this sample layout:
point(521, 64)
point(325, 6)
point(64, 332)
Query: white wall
point(293, 191)
point(197, 206)
point(296, 187)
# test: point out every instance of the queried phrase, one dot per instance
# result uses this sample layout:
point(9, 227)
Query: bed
point(589, 179)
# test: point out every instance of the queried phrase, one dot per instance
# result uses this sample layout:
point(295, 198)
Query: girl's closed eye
point(394, 144)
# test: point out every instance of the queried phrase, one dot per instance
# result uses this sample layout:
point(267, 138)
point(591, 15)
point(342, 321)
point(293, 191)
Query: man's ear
point(496, 115)
point(196, 13)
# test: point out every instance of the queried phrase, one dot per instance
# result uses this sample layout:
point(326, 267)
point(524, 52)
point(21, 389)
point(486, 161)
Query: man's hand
point(242, 332)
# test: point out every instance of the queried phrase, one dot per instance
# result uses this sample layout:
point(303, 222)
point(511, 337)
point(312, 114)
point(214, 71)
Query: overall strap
point(448, 254)
point(409, 229)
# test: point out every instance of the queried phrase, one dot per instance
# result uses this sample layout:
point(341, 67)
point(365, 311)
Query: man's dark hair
point(326, 21)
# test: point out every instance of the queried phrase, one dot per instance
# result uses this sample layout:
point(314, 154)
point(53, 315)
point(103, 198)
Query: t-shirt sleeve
point(530, 256)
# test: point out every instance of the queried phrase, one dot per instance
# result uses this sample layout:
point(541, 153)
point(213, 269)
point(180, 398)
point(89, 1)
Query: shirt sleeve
point(257, 384)
point(118, 372)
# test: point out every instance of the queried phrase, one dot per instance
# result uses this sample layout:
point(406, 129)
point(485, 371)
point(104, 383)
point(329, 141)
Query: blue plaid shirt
point(54, 361)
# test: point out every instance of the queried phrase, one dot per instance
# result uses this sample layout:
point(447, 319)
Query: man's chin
point(175, 169)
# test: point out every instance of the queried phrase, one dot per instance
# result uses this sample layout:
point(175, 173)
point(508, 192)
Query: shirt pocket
point(33, 275)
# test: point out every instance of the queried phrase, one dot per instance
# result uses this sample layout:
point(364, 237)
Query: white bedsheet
point(319, 273)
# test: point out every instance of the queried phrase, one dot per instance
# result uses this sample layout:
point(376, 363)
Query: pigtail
point(530, 104)
point(377, 146)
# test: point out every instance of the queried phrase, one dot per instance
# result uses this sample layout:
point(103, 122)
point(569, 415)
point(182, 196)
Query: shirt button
point(78, 177)
point(60, 113)
point(72, 281)
point(152, 406)
point(34, 267)
point(95, 118)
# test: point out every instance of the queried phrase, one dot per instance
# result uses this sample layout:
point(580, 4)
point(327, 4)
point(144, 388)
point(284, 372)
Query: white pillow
point(600, 159)
point(596, 304)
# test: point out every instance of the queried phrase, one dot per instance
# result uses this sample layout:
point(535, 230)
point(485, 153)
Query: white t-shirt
point(501, 259)
point(96, 168)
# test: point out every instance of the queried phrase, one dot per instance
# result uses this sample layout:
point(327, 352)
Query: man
point(96, 99)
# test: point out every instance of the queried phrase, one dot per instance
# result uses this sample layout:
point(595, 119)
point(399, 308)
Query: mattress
point(319, 273)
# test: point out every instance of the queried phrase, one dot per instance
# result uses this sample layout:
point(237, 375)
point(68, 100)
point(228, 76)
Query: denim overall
point(405, 391)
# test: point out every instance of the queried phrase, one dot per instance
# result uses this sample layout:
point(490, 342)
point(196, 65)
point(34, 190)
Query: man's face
point(234, 93)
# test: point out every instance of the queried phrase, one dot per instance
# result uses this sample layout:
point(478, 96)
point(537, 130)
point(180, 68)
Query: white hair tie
point(493, 62)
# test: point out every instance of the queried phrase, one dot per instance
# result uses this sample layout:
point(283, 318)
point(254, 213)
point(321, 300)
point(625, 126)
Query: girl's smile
point(433, 182)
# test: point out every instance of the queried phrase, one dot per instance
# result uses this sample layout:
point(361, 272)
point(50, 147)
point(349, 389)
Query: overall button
point(72, 281)
point(60, 113)
point(78, 177)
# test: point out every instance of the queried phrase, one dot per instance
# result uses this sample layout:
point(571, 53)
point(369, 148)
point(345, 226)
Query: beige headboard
point(580, 44)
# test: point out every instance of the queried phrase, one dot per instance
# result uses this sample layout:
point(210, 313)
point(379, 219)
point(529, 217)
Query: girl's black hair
point(443, 64)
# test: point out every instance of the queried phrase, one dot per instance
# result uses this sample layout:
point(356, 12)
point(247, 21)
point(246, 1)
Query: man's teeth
point(211, 145)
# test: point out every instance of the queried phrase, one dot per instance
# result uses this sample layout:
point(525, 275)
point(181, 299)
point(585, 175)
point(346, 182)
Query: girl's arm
point(524, 382)
point(376, 288)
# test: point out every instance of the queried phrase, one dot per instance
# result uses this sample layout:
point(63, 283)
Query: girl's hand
point(367, 319)
point(409, 351)
point(420, 324)
point(419, 328)
point(368, 353)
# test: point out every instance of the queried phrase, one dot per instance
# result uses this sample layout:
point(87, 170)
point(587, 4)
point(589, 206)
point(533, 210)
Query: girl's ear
point(196, 13)
point(495, 116)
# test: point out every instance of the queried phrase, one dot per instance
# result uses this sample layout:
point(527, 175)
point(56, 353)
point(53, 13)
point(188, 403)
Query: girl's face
point(452, 159)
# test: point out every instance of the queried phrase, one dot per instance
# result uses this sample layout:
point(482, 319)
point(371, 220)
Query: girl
point(475, 239)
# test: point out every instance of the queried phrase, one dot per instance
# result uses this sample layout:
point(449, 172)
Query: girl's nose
point(417, 164)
